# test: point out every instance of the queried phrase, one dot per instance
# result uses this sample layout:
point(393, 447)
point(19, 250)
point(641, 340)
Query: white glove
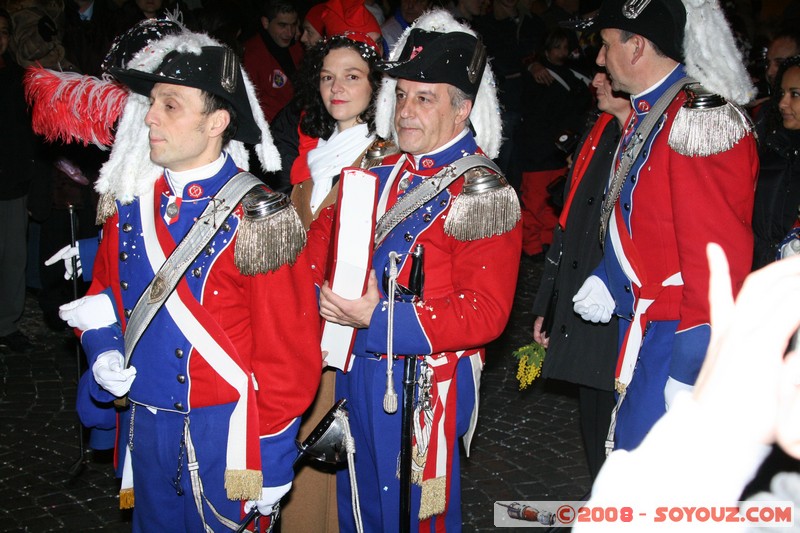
point(89, 312)
point(109, 373)
point(270, 496)
point(672, 388)
point(593, 302)
point(66, 254)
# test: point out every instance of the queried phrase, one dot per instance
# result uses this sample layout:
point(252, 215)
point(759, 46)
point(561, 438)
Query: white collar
point(178, 180)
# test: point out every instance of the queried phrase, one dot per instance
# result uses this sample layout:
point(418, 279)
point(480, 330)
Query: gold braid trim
point(434, 497)
point(243, 484)
point(126, 499)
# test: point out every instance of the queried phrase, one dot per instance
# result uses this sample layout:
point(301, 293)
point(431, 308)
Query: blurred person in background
point(778, 188)
point(18, 163)
point(577, 351)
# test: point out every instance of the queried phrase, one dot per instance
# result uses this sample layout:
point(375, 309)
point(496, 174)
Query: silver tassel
point(708, 130)
point(270, 234)
point(487, 206)
point(390, 395)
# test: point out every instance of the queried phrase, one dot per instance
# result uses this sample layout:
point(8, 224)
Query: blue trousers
point(644, 401)
point(161, 481)
point(377, 440)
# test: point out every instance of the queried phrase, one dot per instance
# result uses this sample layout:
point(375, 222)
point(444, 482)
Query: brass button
point(128, 313)
point(226, 226)
point(124, 285)
point(408, 237)
point(181, 378)
point(426, 217)
point(126, 227)
point(179, 406)
point(443, 203)
point(627, 288)
point(179, 353)
point(209, 250)
point(627, 207)
point(123, 256)
point(197, 272)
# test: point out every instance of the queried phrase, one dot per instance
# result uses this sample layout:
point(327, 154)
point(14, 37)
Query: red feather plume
point(72, 107)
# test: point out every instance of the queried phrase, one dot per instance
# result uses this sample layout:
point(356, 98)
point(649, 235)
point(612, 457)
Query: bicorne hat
point(215, 69)
point(660, 21)
point(457, 58)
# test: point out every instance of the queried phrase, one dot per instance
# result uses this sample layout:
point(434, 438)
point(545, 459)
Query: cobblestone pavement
point(527, 446)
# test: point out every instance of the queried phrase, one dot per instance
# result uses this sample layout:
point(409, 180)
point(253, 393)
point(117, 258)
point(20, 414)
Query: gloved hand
point(109, 373)
point(89, 312)
point(593, 302)
point(66, 254)
point(270, 496)
point(672, 388)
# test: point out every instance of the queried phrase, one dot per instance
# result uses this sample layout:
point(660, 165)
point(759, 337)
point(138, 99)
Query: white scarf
point(326, 161)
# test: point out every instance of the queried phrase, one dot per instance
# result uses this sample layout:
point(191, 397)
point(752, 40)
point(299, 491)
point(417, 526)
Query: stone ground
point(527, 446)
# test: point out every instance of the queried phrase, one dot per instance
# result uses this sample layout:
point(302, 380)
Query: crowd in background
point(543, 63)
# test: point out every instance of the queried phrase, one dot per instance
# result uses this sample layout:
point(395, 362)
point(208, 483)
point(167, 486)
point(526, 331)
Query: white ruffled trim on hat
point(710, 52)
point(485, 116)
point(129, 172)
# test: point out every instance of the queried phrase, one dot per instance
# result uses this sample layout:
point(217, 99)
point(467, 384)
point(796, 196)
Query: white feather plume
point(485, 116)
point(129, 172)
point(710, 52)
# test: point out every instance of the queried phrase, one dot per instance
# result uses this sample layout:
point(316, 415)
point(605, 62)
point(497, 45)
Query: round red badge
point(427, 162)
point(643, 106)
point(195, 191)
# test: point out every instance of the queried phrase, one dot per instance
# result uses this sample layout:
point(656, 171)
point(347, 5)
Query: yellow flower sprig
point(531, 357)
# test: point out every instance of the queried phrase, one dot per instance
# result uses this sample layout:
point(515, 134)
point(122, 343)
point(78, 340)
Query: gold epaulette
point(270, 234)
point(707, 124)
point(486, 206)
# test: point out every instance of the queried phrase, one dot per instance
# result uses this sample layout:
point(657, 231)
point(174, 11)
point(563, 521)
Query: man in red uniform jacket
point(272, 56)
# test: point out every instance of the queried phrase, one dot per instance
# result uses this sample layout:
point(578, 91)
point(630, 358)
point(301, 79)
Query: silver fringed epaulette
point(270, 234)
point(487, 206)
point(707, 124)
point(377, 151)
point(106, 207)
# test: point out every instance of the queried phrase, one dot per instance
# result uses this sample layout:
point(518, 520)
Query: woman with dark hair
point(336, 88)
point(778, 188)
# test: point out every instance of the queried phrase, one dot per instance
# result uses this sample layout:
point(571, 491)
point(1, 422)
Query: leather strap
point(631, 152)
point(421, 194)
point(173, 269)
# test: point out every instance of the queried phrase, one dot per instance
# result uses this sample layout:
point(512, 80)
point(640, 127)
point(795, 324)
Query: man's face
point(607, 100)
point(150, 8)
point(181, 135)
point(778, 50)
point(424, 117)
point(310, 35)
point(616, 57)
point(282, 28)
point(412, 9)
